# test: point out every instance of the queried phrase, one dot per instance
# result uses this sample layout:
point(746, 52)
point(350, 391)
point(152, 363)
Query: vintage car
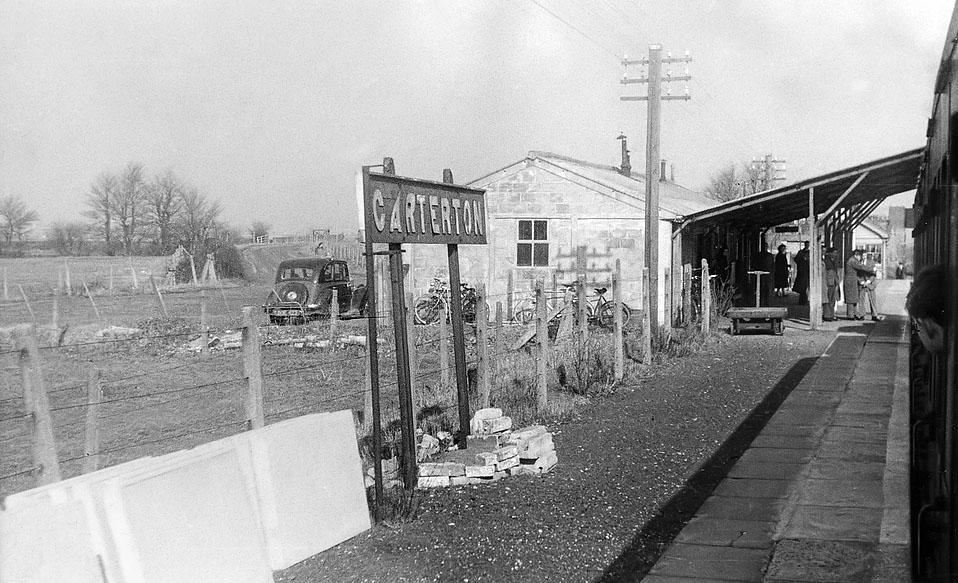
point(304, 289)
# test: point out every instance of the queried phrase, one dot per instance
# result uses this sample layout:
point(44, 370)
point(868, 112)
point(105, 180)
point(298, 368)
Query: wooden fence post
point(583, 315)
point(482, 346)
point(367, 386)
point(91, 449)
point(96, 310)
point(204, 325)
point(26, 300)
point(510, 292)
point(667, 306)
point(617, 321)
point(37, 407)
point(443, 346)
point(542, 335)
point(6, 289)
point(413, 349)
point(333, 317)
point(159, 295)
point(567, 322)
point(193, 269)
point(66, 270)
point(497, 343)
point(136, 283)
point(253, 370)
point(706, 298)
point(55, 316)
point(646, 318)
point(686, 293)
point(111, 278)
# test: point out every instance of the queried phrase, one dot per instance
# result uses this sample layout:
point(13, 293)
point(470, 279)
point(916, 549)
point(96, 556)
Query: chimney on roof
point(626, 168)
point(662, 167)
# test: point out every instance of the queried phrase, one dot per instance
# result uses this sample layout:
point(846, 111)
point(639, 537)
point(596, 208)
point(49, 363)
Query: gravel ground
point(632, 469)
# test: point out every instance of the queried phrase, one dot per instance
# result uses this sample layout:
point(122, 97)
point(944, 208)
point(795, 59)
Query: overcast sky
point(271, 107)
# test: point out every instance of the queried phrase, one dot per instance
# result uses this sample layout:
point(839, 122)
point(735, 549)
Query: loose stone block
point(442, 469)
point(521, 437)
point(433, 482)
point(523, 470)
point(428, 446)
point(537, 447)
point(480, 471)
point(507, 463)
point(506, 452)
point(481, 443)
point(547, 462)
point(487, 458)
point(496, 425)
point(482, 415)
point(458, 480)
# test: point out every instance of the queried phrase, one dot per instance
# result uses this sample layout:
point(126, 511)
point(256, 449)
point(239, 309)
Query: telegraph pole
point(655, 79)
point(766, 172)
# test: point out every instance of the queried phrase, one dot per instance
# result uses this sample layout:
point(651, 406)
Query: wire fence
point(162, 388)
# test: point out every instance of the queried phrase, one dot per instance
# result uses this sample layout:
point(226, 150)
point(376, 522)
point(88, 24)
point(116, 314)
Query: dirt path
point(632, 468)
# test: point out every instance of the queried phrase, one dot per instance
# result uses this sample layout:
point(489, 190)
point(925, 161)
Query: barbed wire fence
point(120, 395)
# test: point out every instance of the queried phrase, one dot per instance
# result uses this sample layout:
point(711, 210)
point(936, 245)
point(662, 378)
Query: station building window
point(532, 249)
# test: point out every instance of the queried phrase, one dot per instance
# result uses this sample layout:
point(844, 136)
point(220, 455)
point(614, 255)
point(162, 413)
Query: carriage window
point(327, 274)
point(532, 250)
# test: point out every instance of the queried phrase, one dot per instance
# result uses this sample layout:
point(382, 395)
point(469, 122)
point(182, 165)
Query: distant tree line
point(131, 215)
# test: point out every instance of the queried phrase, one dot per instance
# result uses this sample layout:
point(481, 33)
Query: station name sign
point(407, 210)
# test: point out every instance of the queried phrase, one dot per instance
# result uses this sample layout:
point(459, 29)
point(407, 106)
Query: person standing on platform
point(867, 282)
point(801, 275)
point(830, 283)
point(853, 267)
point(781, 272)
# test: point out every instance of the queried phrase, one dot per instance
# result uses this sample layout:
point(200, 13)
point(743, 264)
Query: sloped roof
point(857, 185)
point(674, 201)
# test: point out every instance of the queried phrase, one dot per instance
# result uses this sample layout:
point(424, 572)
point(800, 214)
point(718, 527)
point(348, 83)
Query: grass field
point(39, 276)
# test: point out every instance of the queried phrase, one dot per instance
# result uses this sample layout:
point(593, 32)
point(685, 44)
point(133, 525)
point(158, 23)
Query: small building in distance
point(542, 209)
point(871, 237)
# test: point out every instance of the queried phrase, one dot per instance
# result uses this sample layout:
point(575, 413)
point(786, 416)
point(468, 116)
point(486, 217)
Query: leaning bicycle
point(428, 306)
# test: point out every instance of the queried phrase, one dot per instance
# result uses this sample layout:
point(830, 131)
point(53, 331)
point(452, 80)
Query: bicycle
point(427, 306)
point(598, 308)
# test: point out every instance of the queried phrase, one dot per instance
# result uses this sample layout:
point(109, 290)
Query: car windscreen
point(296, 273)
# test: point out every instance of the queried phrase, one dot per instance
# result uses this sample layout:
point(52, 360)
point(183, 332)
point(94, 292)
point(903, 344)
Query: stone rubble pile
point(494, 451)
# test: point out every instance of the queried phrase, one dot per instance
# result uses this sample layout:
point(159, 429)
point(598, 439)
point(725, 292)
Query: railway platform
point(821, 494)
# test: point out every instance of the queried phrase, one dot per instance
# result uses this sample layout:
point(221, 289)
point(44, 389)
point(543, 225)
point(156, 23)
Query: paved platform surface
point(821, 494)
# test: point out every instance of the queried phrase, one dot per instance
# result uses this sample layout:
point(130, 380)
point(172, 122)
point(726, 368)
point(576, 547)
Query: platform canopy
point(846, 196)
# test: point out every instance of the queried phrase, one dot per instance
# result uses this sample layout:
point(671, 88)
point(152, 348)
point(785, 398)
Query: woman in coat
point(781, 272)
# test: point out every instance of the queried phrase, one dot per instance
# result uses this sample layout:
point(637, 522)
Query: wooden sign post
point(399, 210)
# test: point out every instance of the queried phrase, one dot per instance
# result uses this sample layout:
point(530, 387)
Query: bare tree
point(99, 203)
point(732, 182)
point(128, 206)
point(165, 200)
point(69, 238)
point(15, 218)
point(197, 220)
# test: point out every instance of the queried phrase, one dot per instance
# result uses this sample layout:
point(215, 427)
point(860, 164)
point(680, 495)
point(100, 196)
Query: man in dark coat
point(781, 271)
point(801, 275)
point(830, 280)
point(854, 271)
